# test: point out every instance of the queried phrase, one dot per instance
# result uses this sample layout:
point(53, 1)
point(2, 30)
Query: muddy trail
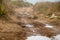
point(29, 27)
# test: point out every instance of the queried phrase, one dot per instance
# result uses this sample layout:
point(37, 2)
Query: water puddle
point(57, 37)
point(29, 25)
point(48, 26)
point(37, 38)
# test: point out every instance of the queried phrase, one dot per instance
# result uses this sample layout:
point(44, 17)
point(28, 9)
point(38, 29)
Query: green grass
point(21, 3)
point(2, 11)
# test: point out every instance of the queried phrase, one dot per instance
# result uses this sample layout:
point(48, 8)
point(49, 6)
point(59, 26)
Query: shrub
point(5, 10)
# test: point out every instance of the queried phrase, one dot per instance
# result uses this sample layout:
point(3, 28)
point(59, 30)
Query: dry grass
point(11, 31)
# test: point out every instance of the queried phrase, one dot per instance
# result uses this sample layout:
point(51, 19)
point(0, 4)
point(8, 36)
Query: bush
point(5, 10)
point(21, 3)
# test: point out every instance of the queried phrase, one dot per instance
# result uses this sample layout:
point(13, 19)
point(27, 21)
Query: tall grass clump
point(5, 10)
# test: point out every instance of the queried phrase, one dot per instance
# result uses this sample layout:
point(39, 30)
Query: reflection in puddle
point(29, 25)
point(48, 26)
point(38, 38)
point(43, 38)
point(57, 37)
